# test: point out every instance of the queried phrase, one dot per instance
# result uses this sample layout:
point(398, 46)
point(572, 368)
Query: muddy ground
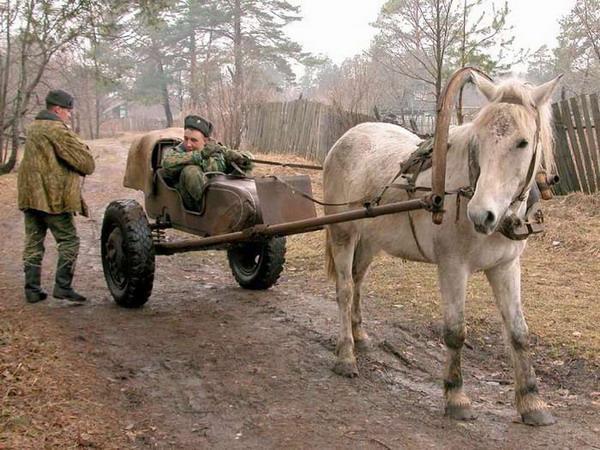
point(206, 364)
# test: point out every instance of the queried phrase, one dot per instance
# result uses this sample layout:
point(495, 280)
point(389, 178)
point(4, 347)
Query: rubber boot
point(62, 283)
point(33, 290)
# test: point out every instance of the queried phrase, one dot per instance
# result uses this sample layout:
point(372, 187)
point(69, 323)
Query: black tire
point(257, 265)
point(127, 253)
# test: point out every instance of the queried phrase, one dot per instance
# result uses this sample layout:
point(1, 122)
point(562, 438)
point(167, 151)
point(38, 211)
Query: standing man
point(185, 165)
point(49, 194)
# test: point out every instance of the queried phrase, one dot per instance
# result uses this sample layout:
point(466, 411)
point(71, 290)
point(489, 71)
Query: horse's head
point(512, 137)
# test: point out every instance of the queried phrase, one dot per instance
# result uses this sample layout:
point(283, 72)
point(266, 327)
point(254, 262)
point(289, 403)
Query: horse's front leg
point(505, 280)
point(453, 283)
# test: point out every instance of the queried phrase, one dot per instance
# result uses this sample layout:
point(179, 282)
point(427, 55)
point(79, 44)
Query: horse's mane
point(513, 91)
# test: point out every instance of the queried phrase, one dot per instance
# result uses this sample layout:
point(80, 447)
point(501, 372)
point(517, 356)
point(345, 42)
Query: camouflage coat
point(53, 162)
point(213, 157)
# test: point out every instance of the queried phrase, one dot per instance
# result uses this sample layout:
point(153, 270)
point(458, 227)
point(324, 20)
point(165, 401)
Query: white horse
point(510, 137)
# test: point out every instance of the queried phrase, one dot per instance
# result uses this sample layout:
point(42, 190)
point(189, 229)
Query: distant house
point(122, 115)
point(120, 111)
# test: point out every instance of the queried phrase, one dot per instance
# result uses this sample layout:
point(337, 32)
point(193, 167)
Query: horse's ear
point(543, 92)
point(485, 86)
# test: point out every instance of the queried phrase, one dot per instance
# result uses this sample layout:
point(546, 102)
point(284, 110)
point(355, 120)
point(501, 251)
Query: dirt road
point(206, 364)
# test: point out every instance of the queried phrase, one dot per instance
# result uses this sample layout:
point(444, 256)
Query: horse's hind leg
point(342, 251)
point(453, 283)
point(363, 256)
point(506, 284)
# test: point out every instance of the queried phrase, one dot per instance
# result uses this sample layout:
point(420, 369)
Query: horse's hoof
point(346, 369)
point(538, 418)
point(457, 412)
point(364, 345)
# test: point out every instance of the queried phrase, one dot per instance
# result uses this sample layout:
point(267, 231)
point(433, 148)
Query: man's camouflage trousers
point(62, 227)
point(190, 186)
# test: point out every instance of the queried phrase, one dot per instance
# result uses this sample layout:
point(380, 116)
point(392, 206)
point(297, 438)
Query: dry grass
point(45, 392)
point(560, 279)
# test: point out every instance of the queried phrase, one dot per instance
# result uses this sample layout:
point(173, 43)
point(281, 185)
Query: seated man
point(185, 165)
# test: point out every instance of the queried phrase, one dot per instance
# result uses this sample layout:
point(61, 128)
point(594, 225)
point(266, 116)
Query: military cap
point(61, 98)
point(198, 123)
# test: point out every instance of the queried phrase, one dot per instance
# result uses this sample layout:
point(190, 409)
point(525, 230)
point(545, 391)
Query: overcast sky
point(340, 28)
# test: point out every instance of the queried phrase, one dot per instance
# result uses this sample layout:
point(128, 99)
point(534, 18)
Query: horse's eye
point(522, 143)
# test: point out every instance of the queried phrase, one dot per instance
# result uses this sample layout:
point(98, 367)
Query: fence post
point(596, 124)
point(583, 147)
point(575, 153)
point(593, 175)
point(564, 161)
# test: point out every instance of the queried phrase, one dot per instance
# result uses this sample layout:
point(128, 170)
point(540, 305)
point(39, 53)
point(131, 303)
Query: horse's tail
point(329, 262)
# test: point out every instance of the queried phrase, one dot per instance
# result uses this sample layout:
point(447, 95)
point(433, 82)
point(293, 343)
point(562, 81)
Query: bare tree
point(8, 16)
point(354, 88)
point(243, 35)
point(425, 40)
point(587, 13)
point(578, 52)
point(415, 36)
point(45, 28)
point(480, 31)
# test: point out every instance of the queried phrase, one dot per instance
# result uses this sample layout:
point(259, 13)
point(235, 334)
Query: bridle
point(474, 169)
point(511, 226)
point(412, 168)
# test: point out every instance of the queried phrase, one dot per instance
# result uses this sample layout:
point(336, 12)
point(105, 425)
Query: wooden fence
point(309, 129)
point(304, 128)
point(577, 126)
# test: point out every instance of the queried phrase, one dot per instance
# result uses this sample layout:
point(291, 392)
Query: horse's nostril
point(490, 219)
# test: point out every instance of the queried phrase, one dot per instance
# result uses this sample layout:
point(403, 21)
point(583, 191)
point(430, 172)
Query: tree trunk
point(165, 94)
point(12, 160)
point(180, 90)
point(76, 122)
point(95, 127)
point(4, 76)
point(91, 122)
point(438, 53)
point(194, 96)
point(18, 108)
point(96, 133)
point(238, 76)
point(460, 118)
point(205, 79)
point(3, 151)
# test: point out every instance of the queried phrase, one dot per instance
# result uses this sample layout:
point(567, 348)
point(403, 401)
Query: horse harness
point(420, 160)
point(511, 226)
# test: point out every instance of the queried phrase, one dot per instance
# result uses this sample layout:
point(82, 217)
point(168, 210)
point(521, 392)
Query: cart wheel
point(127, 253)
point(257, 265)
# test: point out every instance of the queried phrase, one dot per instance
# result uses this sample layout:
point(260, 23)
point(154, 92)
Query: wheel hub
point(116, 259)
point(250, 259)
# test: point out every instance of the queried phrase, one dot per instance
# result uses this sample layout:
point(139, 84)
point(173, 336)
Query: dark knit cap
point(198, 123)
point(59, 97)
